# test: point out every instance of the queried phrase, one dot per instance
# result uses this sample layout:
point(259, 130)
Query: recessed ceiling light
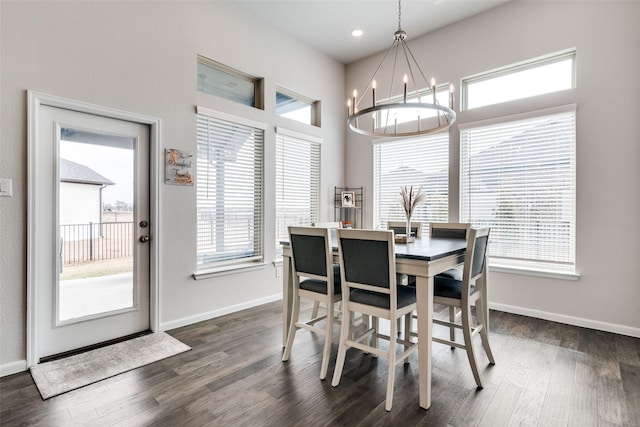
point(357, 32)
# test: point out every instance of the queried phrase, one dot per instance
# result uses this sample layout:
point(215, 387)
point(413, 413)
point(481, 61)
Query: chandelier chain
point(399, 14)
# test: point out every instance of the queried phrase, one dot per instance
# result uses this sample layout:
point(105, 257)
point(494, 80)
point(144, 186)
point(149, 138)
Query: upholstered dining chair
point(332, 226)
point(368, 273)
point(314, 278)
point(400, 227)
point(470, 290)
point(451, 230)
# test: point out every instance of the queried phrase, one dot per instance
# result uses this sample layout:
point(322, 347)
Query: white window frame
point(515, 69)
point(524, 261)
point(313, 119)
point(216, 121)
point(403, 153)
point(226, 88)
point(298, 158)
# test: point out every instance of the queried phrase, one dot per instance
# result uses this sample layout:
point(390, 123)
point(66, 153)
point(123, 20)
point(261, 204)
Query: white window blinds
point(297, 181)
point(421, 162)
point(517, 176)
point(229, 191)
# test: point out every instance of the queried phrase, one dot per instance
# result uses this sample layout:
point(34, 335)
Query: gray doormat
point(63, 375)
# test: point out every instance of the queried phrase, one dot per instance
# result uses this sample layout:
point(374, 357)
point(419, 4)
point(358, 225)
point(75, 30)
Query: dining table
point(423, 258)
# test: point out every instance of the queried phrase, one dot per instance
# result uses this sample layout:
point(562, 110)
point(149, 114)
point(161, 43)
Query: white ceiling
point(326, 24)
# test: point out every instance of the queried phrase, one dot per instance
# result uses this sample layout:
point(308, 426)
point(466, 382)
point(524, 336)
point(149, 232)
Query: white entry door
point(90, 225)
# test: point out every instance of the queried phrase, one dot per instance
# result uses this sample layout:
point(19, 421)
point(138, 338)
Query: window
point(217, 79)
point(384, 119)
point(421, 162)
point(517, 176)
point(536, 77)
point(297, 181)
point(297, 107)
point(229, 190)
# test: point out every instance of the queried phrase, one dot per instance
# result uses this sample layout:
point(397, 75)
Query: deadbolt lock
point(144, 224)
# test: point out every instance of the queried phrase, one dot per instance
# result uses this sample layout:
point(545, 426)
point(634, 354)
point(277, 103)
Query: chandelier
point(394, 116)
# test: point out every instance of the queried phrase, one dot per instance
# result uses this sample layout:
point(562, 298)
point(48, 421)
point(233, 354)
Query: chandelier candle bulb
point(433, 89)
point(348, 108)
point(451, 96)
point(373, 92)
point(405, 79)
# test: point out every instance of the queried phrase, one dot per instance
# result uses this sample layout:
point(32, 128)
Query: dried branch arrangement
point(411, 199)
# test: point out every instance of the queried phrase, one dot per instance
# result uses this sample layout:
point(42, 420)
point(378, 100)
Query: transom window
point(535, 77)
point(297, 107)
point(408, 115)
point(220, 80)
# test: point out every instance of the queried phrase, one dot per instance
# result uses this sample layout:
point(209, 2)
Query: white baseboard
point(166, 326)
point(13, 368)
point(569, 320)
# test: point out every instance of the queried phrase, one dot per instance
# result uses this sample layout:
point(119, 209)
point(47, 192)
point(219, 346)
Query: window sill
point(226, 270)
point(530, 271)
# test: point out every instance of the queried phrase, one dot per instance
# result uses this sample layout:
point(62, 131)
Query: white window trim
point(567, 108)
point(310, 139)
point(299, 135)
point(242, 265)
point(226, 270)
point(526, 270)
point(230, 117)
point(496, 267)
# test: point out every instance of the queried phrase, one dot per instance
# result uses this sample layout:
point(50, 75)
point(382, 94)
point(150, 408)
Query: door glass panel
point(95, 225)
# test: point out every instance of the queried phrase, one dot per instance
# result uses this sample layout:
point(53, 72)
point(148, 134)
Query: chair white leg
point(483, 319)
point(374, 337)
point(392, 365)
point(399, 325)
point(452, 319)
point(327, 341)
point(466, 331)
point(314, 312)
point(292, 328)
point(342, 347)
point(407, 333)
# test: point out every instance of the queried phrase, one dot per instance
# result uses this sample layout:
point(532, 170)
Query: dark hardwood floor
point(546, 374)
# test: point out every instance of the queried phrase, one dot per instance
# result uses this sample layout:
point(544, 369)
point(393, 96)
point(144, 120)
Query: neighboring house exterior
point(80, 194)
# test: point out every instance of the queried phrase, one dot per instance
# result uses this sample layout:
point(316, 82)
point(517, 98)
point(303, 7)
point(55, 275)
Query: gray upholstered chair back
point(479, 254)
point(366, 261)
point(449, 230)
point(309, 254)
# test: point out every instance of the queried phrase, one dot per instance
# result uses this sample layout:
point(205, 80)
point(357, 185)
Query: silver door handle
point(144, 239)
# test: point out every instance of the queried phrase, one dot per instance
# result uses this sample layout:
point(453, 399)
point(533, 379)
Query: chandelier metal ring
point(449, 114)
point(445, 116)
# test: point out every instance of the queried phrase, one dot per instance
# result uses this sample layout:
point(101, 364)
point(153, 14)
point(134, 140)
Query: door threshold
point(93, 347)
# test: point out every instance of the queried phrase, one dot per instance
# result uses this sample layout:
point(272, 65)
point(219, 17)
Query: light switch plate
point(6, 188)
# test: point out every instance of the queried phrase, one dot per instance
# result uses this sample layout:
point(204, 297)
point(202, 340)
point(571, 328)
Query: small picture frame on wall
point(178, 167)
point(348, 199)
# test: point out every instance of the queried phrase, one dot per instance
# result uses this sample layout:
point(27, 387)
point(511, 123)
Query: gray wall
point(607, 38)
point(141, 57)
